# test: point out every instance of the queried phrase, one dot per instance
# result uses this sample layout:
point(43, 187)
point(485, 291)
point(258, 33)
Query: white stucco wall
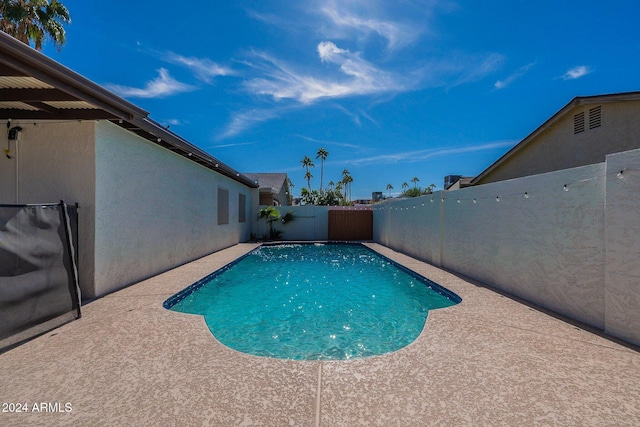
point(411, 226)
point(310, 223)
point(548, 248)
point(623, 246)
point(155, 209)
point(56, 161)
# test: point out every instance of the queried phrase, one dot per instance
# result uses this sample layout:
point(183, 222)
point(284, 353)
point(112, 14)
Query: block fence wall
point(310, 222)
point(568, 241)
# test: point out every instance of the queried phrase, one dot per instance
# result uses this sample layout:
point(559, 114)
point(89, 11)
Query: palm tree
point(347, 179)
point(415, 180)
point(34, 20)
point(404, 186)
point(271, 215)
point(345, 174)
point(308, 177)
point(429, 189)
point(389, 188)
point(322, 155)
point(290, 185)
point(307, 163)
point(331, 184)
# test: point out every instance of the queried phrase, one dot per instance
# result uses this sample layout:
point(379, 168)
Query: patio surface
point(488, 361)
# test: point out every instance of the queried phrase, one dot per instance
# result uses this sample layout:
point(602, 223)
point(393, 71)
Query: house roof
point(272, 181)
point(464, 181)
point(34, 87)
point(575, 102)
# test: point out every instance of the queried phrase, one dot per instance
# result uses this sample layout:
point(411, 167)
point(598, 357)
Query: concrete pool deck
point(487, 361)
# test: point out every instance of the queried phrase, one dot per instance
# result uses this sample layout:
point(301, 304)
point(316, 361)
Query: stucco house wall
point(156, 209)
point(557, 147)
point(56, 161)
point(143, 209)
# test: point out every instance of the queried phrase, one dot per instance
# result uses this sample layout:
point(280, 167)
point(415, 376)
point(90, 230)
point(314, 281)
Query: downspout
point(13, 134)
point(17, 172)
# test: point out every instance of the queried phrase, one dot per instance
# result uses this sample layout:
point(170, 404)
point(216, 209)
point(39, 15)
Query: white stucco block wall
point(155, 209)
point(623, 246)
point(546, 246)
point(310, 223)
point(56, 161)
point(411, 226)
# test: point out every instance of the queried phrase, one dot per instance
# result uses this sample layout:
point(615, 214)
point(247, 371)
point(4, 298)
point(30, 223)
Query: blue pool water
point(313, 301)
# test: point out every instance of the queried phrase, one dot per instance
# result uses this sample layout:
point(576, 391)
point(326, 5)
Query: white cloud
point(203, 68)
point(163, 85)
point(418, 155)
point(398, 25)
point(245, 120)
point(395, 33)
point(369, 19)
point(172, 122)
point(463, 69)
point(501, 84)
point(356, 77)
point(342, 72)
point(368, 117)
point(576, 72)
point(235, 144)
point(328, 51)
point(325, 142)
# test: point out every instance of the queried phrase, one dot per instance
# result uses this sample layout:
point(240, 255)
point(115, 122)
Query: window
point(578, 123)
point(595, 117)
point(223, 206)
point(242, 208)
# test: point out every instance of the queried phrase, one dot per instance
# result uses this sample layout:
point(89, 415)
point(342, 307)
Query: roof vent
point(595, 117)
point(578, 123)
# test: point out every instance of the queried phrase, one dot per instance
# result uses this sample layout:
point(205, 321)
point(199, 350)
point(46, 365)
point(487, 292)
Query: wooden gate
point(351, 224)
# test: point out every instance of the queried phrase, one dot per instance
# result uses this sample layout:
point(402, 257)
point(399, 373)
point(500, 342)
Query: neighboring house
point(148, 200)
point(455, 182)
point(273, 187)
point(582, 133)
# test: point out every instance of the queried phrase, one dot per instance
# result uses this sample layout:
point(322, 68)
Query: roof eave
point(23, 58)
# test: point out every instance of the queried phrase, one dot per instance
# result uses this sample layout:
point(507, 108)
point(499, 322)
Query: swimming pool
point(313, 302)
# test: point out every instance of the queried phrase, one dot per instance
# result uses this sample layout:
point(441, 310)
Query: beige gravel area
point(489, 361)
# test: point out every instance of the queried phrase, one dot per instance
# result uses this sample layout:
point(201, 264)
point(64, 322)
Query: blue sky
point(391, 89)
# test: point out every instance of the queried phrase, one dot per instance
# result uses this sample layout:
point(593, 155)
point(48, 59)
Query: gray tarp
point(38, 275)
